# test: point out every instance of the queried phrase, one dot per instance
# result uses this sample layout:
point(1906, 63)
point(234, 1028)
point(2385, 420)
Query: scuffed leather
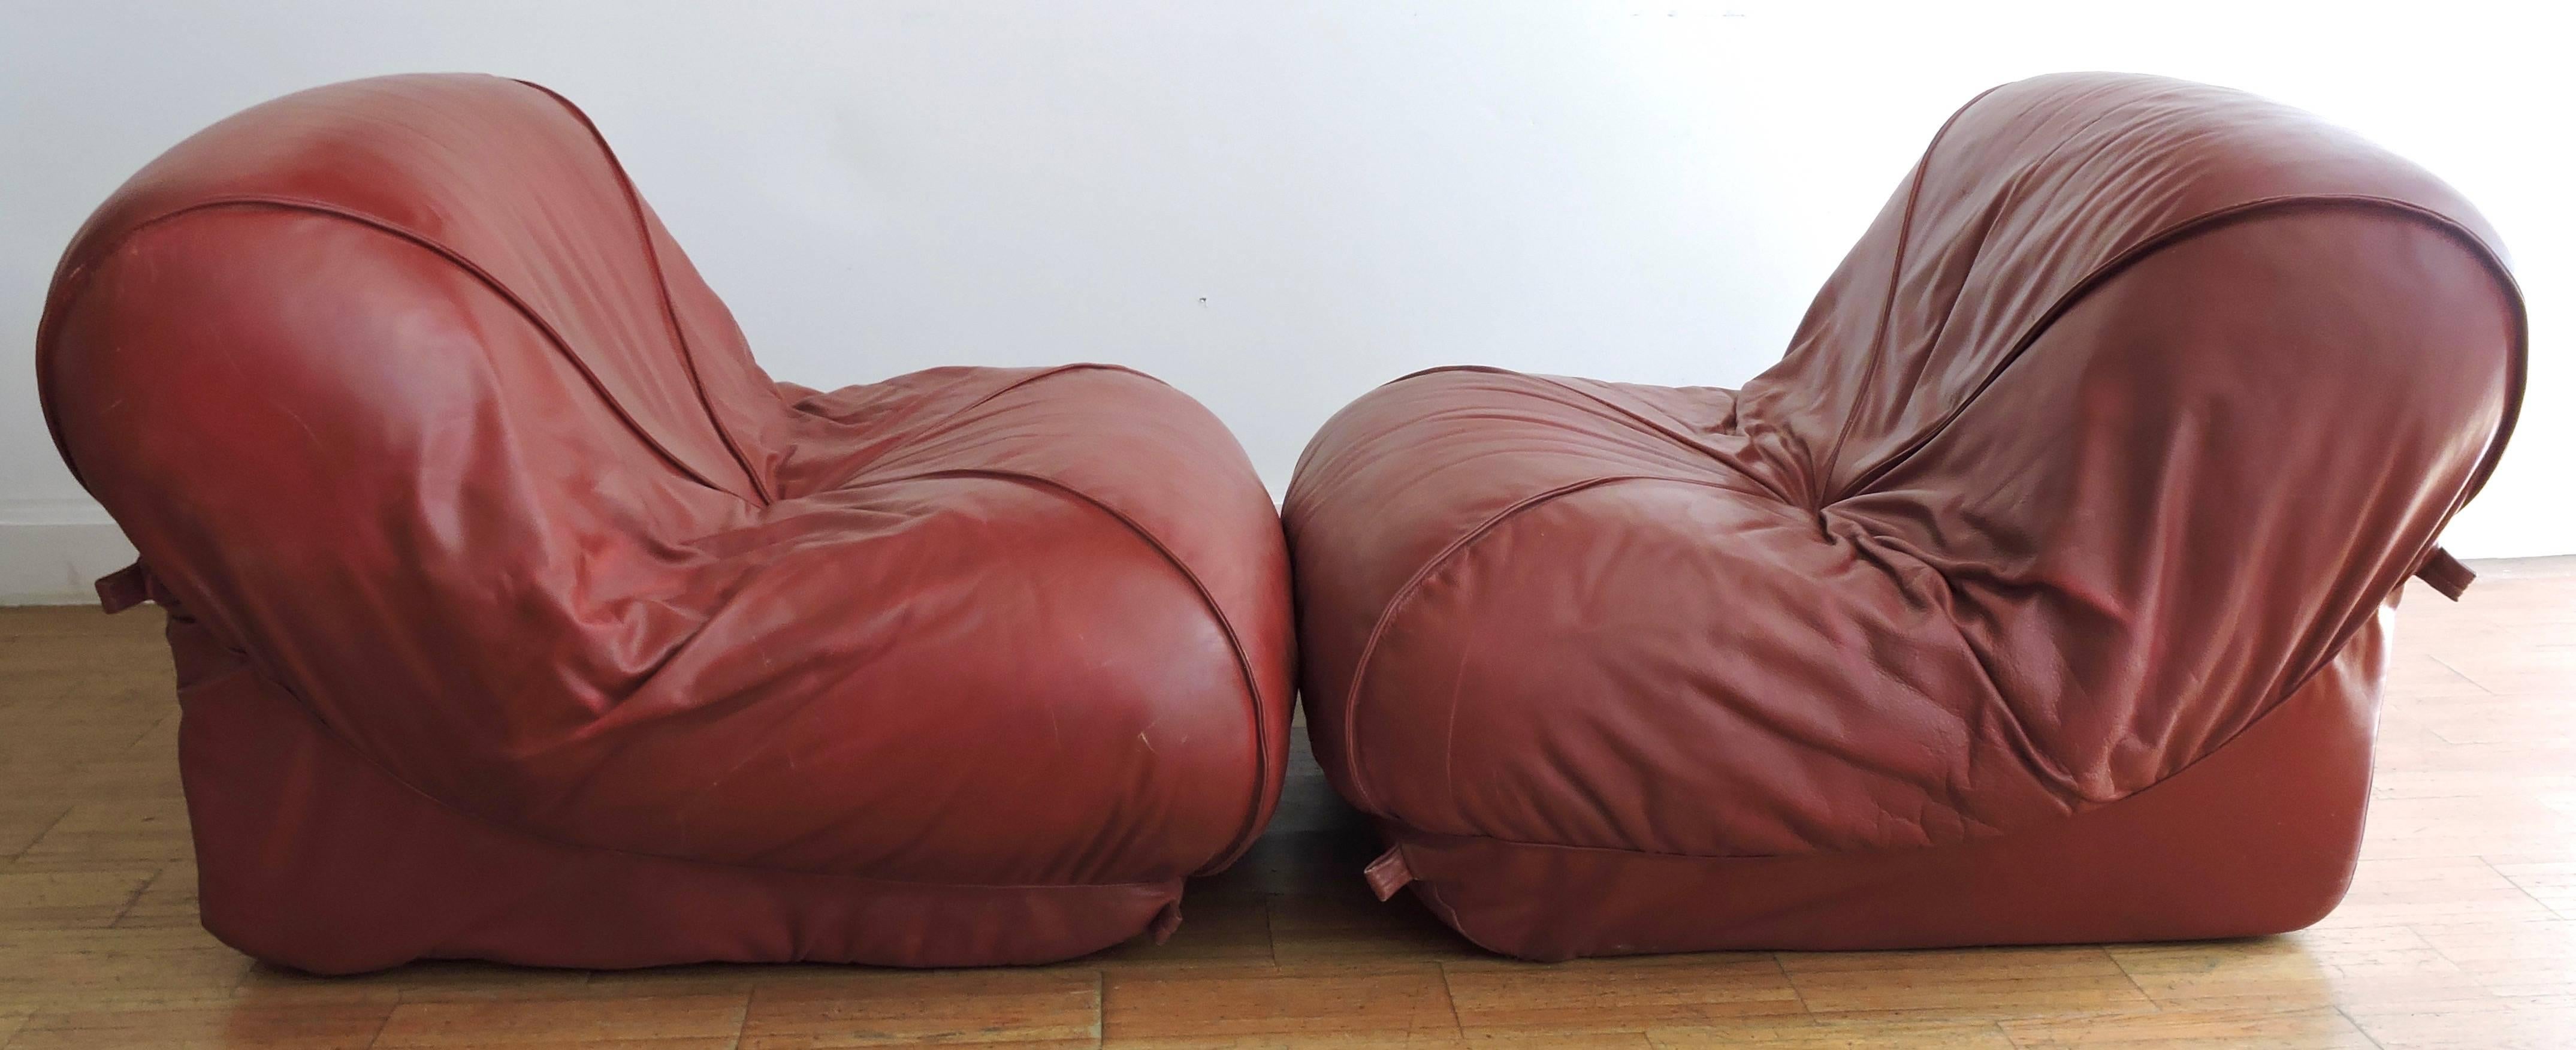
point(2115, 429)
point(415, 408)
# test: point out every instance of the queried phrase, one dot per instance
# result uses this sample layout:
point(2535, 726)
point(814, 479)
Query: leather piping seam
point(1242, 661)
point(1437, 369)
point(1359, 670)
point(857, 474)
point(334, 736)
point(1673, 434)
point(1360, 776)
point(849, 474)
point(1895, 278)
point(1261, 792)
point(1848, 854)
point(2208, 222)
point(1669, 433)
point(419, 240)
point(662, 291)
point(1049, 373)
point(2517, 356)
point(2003, 204)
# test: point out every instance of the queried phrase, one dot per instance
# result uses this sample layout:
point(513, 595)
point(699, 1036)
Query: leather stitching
point(662, 291)
point(1242, 656)
point(248, 667)
point(424, 241)
point(1395, 603)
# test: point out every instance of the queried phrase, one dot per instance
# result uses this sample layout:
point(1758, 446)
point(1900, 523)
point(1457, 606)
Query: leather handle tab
point(1388, 873)
point(2445, 573)
point(124, 589)
point(1166, 921)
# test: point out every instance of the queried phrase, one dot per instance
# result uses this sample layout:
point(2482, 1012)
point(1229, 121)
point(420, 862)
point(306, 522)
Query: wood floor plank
point(1986, 983)
point(25, 821)
point(2317, 968)
point(421, 982)
point(1613, 995)
point(2396, 891)
point(697, 1019)
point(1834, 1033)
point(1348, 926)
point(345, 1027)
point(2552, 883)
point(1265, 1006)
point(87, 968)
point(68, 899)
point(168, 899)
point(1029, 1008)
point(1223, 931)
point(2537, 1024)
point(2510, 957)
point(150, 832)
point(2321, 1028)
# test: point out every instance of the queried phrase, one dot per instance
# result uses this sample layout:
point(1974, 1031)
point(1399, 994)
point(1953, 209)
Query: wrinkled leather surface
point(498, 562)
point(2115, 430)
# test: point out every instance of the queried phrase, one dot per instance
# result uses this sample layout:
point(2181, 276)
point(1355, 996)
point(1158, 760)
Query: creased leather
point(2112, 433)
point(407, 397)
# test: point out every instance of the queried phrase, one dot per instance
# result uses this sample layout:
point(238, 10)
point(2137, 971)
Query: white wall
point(1274, 206)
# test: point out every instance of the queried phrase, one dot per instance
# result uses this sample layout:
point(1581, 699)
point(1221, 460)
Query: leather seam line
point(936, 425)
point(1672, 434)
point(662, 292)
point(336, 738)
point(433, 246)
point(1050, 373)
point(1887, 308)
point(2517, 358)
point(2176, 233)
point(1437, 369)
point(1395, 603)
point(857, 473)
point(1242, 839)
point(2003, 204)
point(1998, 835)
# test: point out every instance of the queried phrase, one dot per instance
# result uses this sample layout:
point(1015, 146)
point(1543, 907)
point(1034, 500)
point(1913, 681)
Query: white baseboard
point(51, 551)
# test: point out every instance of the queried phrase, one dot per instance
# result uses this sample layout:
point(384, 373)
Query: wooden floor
point(2460, 930)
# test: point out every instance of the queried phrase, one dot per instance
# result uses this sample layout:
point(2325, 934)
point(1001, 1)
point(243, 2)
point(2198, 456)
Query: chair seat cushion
point(1596, 620)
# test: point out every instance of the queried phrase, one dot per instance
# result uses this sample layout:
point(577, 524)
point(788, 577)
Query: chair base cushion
point(312, 857)
point(2261, 837)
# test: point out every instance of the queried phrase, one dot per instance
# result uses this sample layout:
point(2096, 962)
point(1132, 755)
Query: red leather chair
point(2039, 594)
point(519, 616)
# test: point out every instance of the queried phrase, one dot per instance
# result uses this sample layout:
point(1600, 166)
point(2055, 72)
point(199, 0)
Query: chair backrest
point(2171, 387)
point(507, 183)
point(2032, 196)
point(403, 367)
